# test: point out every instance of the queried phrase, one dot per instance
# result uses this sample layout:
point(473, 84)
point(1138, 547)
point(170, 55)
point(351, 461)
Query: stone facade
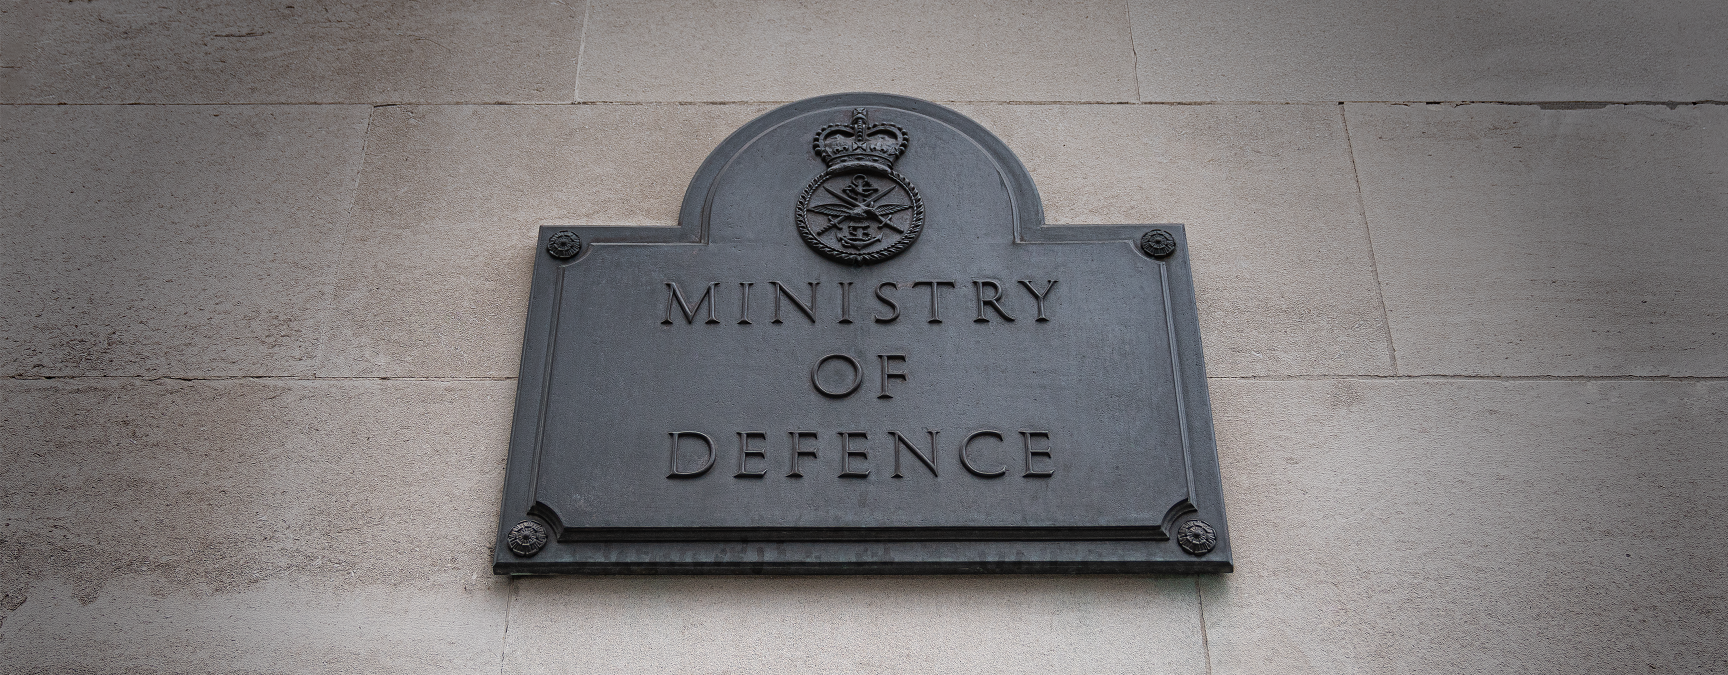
point(260, 330)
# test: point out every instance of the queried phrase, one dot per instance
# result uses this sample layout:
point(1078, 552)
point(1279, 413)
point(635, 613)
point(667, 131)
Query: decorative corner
point(1196, 537)
point(527, 537)
point(1158, 244)
point(564, 245)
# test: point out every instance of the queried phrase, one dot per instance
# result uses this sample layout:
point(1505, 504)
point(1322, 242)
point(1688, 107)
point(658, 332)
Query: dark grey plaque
point(862, 351)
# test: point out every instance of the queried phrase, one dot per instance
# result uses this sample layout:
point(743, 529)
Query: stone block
point(306, 51)
point(784, 50)
point(171, 240)
point(1471, 526)
point(914, 624)
point(250, 525)
point(1360, 50)
point(434, 274)
point(286, 627)
point(1514, 240)
point(1282, 265)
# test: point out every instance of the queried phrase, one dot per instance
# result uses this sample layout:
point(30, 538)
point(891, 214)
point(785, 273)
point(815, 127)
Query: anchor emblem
point(858, 203)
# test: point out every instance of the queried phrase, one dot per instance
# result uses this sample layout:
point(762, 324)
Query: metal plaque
point(862, 351)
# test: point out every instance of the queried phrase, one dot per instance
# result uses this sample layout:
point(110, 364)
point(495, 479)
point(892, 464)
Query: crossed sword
point(860, 210)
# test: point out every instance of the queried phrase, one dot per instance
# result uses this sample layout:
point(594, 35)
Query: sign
point(862, 351)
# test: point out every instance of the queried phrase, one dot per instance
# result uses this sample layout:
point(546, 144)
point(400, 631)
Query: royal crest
point(860, 210)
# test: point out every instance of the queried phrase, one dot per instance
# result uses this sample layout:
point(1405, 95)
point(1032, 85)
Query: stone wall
point(264, 268)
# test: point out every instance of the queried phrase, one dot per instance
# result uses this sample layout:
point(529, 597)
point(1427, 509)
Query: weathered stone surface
point(250, 525)
point(918, 624)
point(1471, 526)
point(434, 273)
point(310, 51)
point(1513, 240)
point(1281, 260)
point(310, 625)
point(1360, 50)
point(170, 240)
point(783, 50)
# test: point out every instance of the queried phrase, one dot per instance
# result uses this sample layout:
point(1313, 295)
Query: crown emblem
point(860, 210)
point(860, 142)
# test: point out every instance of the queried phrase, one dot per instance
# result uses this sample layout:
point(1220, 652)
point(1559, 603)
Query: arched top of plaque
point(860, 178)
